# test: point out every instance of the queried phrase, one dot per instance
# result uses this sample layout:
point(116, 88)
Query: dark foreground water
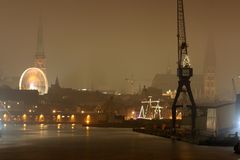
point(67, 142)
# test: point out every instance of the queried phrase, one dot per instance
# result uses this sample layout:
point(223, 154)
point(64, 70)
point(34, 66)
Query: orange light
point(72, 119)
point(88, 119)
point(24, 117)
point(41, 118)
point(179, 116)
point(59, 118)
point(5, 117)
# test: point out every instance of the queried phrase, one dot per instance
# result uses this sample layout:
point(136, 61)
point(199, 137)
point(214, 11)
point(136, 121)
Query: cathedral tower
point(39, 61)
point(210, 72)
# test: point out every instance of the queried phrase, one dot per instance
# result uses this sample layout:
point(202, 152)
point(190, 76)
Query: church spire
point(39, 61)
point(57, 83)
point(40, 48)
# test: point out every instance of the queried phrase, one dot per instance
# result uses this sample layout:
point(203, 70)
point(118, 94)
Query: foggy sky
point(100, 43)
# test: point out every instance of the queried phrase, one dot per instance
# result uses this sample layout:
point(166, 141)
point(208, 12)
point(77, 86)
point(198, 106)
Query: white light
point(24, 126)
point(186, 61)
point(238, 123)
point(73, 126)
point(58, 126)
point(32, 86)
point(41, 126)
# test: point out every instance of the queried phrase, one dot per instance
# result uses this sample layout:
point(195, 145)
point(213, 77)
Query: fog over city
point(98, 44)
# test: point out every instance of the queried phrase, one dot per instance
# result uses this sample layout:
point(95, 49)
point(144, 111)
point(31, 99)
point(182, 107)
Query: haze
point(98, 44)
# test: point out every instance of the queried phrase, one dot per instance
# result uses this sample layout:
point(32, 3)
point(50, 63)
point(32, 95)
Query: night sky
point(99, 43)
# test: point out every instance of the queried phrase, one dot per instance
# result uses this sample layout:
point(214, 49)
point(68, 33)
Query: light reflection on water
point(41, 130)
point(41, 126)
point(87, 131)
point(73, 126)
point(58, 126)
point(24, 126)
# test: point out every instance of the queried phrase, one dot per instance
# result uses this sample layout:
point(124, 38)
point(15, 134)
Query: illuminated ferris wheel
point(34, 79)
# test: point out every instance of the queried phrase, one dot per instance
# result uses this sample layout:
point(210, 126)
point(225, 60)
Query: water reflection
point(133, 145)
point(41, 126)
point(59, 126)
point(45, 130)
point(87, 131)
point(73, 126)
point(24, 126)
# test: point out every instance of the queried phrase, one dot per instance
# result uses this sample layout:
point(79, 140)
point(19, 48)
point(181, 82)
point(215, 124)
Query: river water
point(73, 142)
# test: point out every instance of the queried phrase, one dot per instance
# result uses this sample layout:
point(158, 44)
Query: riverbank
point(187, 137)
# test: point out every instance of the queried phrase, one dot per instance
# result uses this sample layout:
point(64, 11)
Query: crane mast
point(181, 33)
point(184, 70)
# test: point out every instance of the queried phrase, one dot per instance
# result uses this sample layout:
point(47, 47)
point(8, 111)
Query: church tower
point(39, 61)
point(210, 72)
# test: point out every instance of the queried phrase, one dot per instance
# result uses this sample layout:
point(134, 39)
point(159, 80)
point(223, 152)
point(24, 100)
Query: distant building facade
point(167, 82)
point(210, 73)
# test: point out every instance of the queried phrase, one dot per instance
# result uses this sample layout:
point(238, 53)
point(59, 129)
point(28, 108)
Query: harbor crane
point(184, 70)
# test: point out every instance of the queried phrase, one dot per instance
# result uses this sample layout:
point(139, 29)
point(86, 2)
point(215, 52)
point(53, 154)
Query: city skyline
point(108, 42)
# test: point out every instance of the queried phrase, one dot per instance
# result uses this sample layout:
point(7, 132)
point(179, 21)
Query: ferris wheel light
point(34, 79)
point(32, 86)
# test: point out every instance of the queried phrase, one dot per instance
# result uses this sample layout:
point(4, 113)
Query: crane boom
point(181, 35)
